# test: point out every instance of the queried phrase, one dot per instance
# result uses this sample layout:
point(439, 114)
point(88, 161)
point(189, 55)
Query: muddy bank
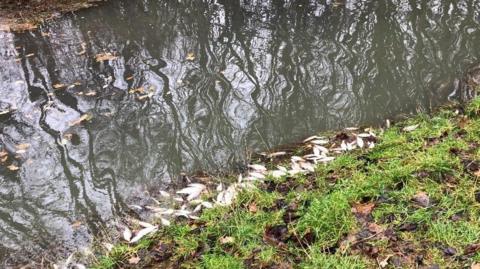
point(21, 15)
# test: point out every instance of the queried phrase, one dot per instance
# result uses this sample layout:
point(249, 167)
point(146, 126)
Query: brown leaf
point(422, 199)
point(363, 209)
point(105, 57)
point(470, 249)
point(134, 260)
point(76, 224)
point(91, 93)
point(226, 240)
point(252, 208)
point(58, 86)
point(190, 56)
point(13, 167)
point(22, 146)
point(139, 90)
point(81, 119)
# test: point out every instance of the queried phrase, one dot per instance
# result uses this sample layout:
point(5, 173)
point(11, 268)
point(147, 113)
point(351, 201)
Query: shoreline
point(362, 209)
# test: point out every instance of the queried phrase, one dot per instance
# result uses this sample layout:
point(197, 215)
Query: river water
point(196, 85)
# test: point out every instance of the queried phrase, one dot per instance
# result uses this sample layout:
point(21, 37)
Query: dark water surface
point(225, 77)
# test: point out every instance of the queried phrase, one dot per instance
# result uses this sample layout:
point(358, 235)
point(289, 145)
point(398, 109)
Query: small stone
point(477, 196)
point(449, 251)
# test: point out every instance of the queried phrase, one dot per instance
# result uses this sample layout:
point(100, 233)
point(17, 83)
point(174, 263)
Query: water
point(227, 78)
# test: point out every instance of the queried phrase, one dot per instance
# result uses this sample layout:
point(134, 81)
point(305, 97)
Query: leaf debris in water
point(84, 117)
point(107, 56)
point(190, 56)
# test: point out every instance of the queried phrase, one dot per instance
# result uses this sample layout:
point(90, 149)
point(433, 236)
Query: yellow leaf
point(59, 86)
point(13, 167)
point(22, 146)
point(190, 56)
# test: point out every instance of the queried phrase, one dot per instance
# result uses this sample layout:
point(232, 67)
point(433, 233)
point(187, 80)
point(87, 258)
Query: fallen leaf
point(107, 56)
point(22, 146)
point(470, 249)
point(139, 90)
point(81, 119)
point(363, 209)
point(76, 224)
point(91, 93)
point(190, 56)
point(13, 167)
point(134, 260)
point(252, 208)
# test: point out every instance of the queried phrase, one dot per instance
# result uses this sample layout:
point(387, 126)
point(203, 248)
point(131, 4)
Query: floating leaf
point(13, 167)
point(58, 86)
point(84, 117)
point(226, 240)
point(363, 209)
point(190, 56)
point(22, 146)
point(105, 57)
point(134, 260)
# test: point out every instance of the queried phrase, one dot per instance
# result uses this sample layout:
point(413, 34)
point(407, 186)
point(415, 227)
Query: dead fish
point(410, 128)
point(257, 167)
point(193, 190)
point(143, 232)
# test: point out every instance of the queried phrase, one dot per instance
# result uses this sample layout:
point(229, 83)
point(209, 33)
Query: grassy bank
point(412, 201)
point(21, 15)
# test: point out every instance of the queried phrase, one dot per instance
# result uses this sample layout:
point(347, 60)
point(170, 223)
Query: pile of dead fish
point(190, 201)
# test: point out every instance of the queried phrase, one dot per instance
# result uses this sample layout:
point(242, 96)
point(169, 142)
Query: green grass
point(315, 215)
